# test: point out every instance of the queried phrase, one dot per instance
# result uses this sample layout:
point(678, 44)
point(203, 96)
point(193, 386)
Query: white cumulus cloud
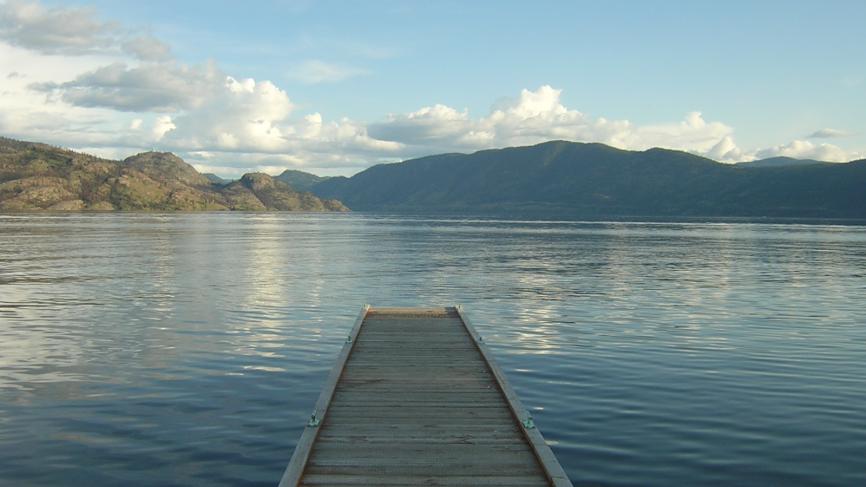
point(74, 30)
point(163, 87)
point(240, 114)
point(429, 125)
point(161, 126)
point(539, 115)
point(803, 149)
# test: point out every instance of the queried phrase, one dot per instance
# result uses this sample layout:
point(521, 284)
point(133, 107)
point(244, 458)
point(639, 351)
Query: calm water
point(189, 349)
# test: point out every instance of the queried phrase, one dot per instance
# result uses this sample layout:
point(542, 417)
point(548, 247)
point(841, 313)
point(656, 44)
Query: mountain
point(781, 162)
point(213, 178)
point(41, 177)
point(549, 179)
point(300, 180)
point(595, 180)
point(257, 191)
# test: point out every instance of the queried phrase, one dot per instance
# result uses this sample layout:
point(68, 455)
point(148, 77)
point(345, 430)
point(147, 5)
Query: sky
point(334, 87)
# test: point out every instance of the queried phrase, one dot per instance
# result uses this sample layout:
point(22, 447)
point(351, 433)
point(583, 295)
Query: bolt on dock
point(415, 398)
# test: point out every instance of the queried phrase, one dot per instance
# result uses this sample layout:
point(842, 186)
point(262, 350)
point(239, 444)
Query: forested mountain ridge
point(598, 180)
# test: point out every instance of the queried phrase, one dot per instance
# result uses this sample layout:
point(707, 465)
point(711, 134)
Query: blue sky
point(392, 80)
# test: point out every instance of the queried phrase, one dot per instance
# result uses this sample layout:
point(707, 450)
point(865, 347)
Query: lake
point(189, 349)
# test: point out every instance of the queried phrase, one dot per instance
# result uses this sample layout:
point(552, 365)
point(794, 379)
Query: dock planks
point(415, 398)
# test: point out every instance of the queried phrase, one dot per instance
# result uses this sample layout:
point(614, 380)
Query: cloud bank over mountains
point(76, 80)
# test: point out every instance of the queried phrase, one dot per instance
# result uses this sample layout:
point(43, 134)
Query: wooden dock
point(415, 398)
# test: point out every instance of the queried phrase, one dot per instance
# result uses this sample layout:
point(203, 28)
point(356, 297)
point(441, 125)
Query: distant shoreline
point(467, 217)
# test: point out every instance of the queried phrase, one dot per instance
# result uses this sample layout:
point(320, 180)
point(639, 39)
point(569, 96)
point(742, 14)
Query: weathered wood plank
point(413, 461)
point(467, 466)
point(466, 450)
point(419, 407)
point(405, 439)
point(439, 420)
point(361, 397)
point(430, 382)
point(438, 430)
point(434, 425)
point(413, 369)
point(439, 480)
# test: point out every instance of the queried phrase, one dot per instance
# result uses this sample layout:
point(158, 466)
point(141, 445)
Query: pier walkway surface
point(415, 398)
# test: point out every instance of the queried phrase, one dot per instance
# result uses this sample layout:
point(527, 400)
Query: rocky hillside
point(41, 177)
point(257, 191)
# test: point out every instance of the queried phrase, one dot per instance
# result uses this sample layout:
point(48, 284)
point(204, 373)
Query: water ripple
point(147, 349)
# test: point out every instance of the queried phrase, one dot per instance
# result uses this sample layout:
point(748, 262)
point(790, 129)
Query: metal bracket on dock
point(314, 420)
point(528, 423)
